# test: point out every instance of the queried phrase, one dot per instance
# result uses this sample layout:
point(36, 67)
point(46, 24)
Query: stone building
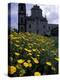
point(35, 23)
point(21, 17)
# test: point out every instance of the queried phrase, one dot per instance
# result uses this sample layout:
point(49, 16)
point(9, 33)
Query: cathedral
point(35, 23)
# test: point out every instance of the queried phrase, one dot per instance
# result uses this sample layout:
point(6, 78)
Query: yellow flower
point(56, 59)
point(14, 38)
point(30, 53)
point(11, 69)
point(16, 45)
point(34, 49)
point(25, 64)
point(28, 61)
point(17, 54)
point(30, 64)
point(17, 41)
point(38, 55)
point(29, 46)
point(37, 74)
point(35, 60)
point(34, 43)
point(28, 33)
point(20, 61)
point(23, 37)
point(27, 50)
point(48, 63)
point(43, 49)
point(53, 68)
point(11, 35)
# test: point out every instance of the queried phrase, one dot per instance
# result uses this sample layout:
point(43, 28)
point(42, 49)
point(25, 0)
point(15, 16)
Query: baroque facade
point(35, 23)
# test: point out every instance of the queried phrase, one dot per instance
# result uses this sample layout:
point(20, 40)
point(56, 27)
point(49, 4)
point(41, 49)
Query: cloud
point(53, 17)
point(14, 8)
point(51, 11)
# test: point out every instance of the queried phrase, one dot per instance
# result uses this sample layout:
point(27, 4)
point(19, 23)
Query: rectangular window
point(29, 25)
point(49, 28)
point(44, 26)
point(22, 8)
point(22, 21)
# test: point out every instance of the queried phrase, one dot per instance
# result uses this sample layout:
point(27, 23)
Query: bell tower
point(21, 17)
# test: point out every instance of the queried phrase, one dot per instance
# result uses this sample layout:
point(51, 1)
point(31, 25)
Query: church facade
point(35, 23)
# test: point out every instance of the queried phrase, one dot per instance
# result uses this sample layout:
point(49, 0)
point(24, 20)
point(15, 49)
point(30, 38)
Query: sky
point(50, 11)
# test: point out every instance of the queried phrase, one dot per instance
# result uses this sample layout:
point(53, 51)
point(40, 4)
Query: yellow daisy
point(30, 64)
point(38, 55)
point(16, 45)
point(43, 49)
point(56, 58)
point(11, 69)
point(26, 64)
point(17, 41)
point(30, 54)
point(37, 74)
point(35, 60)
point(28, 61)
point(48, 63)
point(17, 54)
point(20, 61)
point(33, 49)
point(27, 50)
